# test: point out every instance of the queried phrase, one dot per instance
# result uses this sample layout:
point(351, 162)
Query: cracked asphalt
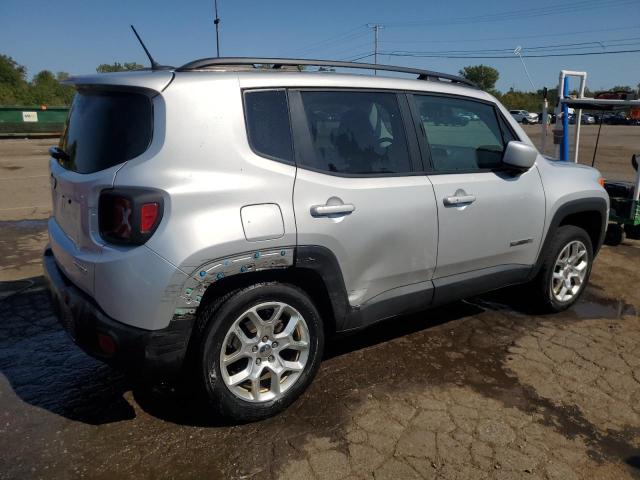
point(477, 389)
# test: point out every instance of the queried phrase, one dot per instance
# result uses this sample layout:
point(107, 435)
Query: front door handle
point(459, 200)
point(327, 210)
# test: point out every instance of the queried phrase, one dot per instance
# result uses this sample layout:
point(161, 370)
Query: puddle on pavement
point(604, 309)
point(23, 225)
point(21, 243)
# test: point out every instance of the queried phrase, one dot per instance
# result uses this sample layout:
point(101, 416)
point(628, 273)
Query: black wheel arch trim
point(581, 205)
point(322, 261)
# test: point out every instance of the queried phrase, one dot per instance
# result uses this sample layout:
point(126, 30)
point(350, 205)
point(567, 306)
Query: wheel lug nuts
point(274, 344)
point(258, 361)
point(255, 348)
point(271, 358)
point(265, 338)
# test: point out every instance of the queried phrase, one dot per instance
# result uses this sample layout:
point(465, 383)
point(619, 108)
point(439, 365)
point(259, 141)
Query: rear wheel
point(565, 270)
point(261, 349)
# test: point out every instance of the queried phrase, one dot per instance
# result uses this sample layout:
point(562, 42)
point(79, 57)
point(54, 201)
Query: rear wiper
point(58, 154)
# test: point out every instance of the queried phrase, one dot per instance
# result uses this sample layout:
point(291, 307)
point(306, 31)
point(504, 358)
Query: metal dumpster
point(31, 121)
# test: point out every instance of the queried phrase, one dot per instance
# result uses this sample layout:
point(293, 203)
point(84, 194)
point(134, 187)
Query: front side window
point(355, 133)
point(268, 129)
point(463, 135)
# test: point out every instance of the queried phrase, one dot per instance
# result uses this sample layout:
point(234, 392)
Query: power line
point(579, 54)
point(620, 42)
point(515, 37)
point(517, 14)
point(351, 34)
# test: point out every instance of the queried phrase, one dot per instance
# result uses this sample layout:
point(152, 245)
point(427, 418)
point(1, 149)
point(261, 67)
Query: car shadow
point(47, 370)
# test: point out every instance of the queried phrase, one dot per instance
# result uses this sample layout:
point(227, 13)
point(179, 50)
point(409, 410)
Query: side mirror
point(519, 156)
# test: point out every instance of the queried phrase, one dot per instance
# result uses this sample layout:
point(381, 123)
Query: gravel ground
point(478, 389)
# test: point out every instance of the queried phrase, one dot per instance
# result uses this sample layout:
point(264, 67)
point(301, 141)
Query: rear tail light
point(148, 216)
point(129, 216)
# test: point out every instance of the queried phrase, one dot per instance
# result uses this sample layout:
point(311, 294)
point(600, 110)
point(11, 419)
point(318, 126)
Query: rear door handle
point(459, 200)
point(326, 210)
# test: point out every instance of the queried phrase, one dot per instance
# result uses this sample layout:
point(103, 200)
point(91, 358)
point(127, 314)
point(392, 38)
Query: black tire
point(218, 317)
point(540, 290)
point(614, 235)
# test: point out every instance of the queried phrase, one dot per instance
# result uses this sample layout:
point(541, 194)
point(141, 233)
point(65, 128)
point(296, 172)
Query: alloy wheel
point(265, 352)
point(569, 271)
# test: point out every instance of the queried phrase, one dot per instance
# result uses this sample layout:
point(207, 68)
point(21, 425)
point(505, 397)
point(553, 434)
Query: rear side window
point(268, 128)
point(104, 129)
point(356, 133)
point(464, 135)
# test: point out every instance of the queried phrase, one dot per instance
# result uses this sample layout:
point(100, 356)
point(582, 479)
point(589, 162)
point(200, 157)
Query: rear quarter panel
point(208, 172)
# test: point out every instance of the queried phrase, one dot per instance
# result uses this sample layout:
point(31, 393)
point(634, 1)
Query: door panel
point(487, 217)
point(356, 192)
point(503, 225)
point(388, 240)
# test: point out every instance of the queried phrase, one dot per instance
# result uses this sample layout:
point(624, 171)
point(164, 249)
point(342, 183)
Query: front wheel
point(565, 270)
point(261, 348)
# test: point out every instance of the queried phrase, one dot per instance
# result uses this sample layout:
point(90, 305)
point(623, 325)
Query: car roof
point(311, 79)
point(159, 80)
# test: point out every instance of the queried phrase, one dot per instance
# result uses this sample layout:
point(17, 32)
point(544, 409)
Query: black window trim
point(426, 147)
point(244, 91)
point(302, 136)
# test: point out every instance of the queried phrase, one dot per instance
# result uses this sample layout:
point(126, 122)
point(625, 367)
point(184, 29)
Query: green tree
point(46, 89)
point(482, 75)
point(13, 84)
point(118, 67)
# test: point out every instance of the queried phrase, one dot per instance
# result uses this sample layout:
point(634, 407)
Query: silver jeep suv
point(220, 221)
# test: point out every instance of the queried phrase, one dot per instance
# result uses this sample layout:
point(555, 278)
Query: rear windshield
point(106, 128)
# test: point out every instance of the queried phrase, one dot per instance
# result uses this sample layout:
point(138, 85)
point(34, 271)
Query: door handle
point(459, 200)
point(326, 210)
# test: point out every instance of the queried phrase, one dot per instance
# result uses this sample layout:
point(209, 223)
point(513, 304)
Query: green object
point(29, 120)
point(624, 211)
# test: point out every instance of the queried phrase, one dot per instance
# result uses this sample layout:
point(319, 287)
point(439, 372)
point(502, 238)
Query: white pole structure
point(583, 81)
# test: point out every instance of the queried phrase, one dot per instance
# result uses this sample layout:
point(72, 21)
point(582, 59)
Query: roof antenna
point(154, 64)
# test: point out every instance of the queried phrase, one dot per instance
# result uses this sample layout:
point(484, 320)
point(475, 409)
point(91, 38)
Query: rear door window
point(104, 129)
point(356, 133)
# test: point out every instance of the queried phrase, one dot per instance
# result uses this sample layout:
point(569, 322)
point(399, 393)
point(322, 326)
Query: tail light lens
point(129, 216)
point(148, 216)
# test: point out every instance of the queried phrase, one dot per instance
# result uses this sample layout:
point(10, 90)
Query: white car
point(522, 116)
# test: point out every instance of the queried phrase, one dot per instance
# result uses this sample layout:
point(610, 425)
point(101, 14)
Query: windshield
point(104, 129)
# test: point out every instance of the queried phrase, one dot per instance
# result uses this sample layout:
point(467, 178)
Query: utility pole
point(376, 28)
point(216, 22)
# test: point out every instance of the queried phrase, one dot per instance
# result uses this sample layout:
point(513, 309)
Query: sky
point(77, 35)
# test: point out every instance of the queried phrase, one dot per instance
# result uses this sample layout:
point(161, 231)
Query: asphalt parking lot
point(478, 389)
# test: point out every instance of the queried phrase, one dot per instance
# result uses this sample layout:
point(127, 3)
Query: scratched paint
point(215, 270)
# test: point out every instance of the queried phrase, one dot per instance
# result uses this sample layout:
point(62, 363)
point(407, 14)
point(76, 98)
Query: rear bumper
point(155, 353)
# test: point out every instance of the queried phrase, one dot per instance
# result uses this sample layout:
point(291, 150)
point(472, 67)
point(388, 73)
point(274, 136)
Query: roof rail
point(280, 62)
